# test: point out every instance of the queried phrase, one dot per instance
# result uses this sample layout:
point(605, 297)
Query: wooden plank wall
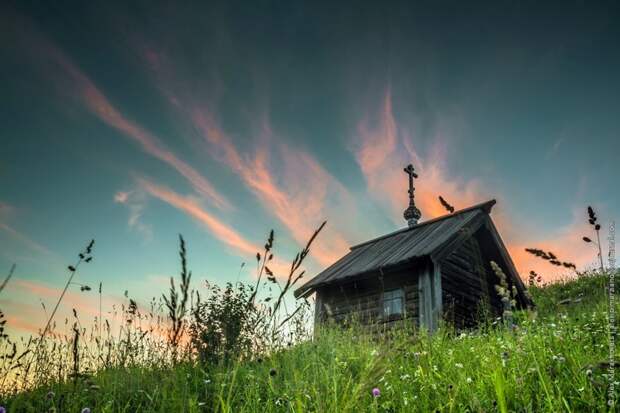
point(464, 284)
point(363, 300)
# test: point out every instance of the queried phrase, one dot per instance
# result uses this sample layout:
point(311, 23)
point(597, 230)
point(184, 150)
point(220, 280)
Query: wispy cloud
point(223, 232)
point(191, 206)
point(22, 323)
point(102, 108)
point(27, 314)
point(289, 182)
point(555, 148)
point(31, 302)
point(298, 194)
point(135, 201)
point(6, 213)
point(382, 148)
point(77, 300)
point(77, 84)
point(25, 240)
point(121, 197)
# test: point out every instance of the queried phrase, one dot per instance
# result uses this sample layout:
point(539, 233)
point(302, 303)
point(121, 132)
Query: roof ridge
point(486, 206)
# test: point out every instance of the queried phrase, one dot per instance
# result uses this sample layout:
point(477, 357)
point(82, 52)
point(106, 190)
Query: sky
point(133, 123)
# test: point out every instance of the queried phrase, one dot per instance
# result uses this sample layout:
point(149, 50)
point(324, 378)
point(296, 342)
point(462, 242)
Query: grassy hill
point(555, 359)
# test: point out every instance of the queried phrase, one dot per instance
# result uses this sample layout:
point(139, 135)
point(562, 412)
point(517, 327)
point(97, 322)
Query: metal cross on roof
point(412, 214)
point(411, 172)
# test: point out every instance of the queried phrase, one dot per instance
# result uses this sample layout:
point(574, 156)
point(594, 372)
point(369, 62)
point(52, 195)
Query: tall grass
point(163, 335)
point(592, 220)
point(552, 360)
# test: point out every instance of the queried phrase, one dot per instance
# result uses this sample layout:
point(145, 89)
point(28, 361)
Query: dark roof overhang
point(433, 238)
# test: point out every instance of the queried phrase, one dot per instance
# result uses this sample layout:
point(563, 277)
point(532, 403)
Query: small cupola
point(412, 214)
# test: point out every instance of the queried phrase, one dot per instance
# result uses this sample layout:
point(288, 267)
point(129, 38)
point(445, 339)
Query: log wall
point(363, 300)
point(465, 289)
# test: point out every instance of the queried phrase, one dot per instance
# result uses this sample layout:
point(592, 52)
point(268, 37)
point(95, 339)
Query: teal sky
point(132, 124)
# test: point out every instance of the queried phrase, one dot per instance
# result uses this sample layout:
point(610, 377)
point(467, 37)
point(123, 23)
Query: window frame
point(389, 300)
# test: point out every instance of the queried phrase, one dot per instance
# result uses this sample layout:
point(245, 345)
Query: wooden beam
point(318, 309)
point(437, 309)
point(427, 298)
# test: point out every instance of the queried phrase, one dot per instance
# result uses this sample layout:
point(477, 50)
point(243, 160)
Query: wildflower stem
point(49, 321)
point(600, 251)
point(8, 277)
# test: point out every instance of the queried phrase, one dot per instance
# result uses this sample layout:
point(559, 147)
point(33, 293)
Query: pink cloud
point(294, 188)
point(565, 242)
point(26, 316)
point(25, 240)
point(121, 197)
point(22, 324)
point(192, 208)
point(99, 105)
point(77, 84)
point(80, 301)
point(6, 211)
point(297, 194)
point(382, 149)
point(221, 231)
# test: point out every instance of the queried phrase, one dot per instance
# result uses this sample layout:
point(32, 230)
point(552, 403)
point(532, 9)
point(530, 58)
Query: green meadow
point(554, 358)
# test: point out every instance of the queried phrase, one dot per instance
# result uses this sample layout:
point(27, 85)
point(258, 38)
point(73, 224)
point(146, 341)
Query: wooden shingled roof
point(400, 247)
